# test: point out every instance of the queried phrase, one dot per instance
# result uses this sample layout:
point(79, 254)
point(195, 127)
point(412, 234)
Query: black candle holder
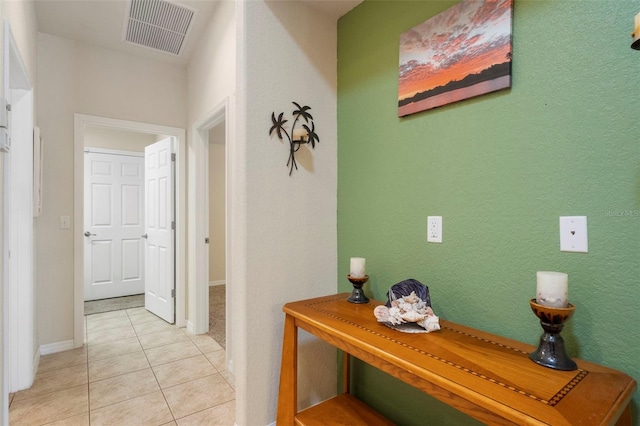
point(551, 351)
point(357, 295)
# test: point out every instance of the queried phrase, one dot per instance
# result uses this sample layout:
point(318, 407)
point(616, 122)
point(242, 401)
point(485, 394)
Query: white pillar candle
point(357, 267)
point(300, 135)
point(552, 289)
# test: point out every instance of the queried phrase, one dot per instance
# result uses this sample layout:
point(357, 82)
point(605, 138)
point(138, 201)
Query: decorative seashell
point(405, 288)
point(412, 298)
point(408, 302)
point(381, 312)
point(431, 323)
point(412, 316)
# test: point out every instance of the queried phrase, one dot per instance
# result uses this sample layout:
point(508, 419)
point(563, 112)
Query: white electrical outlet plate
point(434, 229)
point(573, 234)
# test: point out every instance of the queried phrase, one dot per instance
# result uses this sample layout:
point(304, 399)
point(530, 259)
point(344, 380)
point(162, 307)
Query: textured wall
point(76, 78)
point(500, 169)
point(121, 140)
point(287, 53)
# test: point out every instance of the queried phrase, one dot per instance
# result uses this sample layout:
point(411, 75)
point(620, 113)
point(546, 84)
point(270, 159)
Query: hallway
point(133, 369)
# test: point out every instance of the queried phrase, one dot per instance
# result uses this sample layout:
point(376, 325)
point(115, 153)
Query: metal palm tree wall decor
point(298, 137)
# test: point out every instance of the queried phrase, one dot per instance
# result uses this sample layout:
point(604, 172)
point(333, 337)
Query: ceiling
point(100, 22)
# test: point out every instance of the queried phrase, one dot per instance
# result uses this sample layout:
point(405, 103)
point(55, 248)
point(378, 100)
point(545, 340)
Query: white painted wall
point(212, 71)
point(217, 204)
point(211, 80)
point(287, 52)
point(117, 139)
point(77, 78)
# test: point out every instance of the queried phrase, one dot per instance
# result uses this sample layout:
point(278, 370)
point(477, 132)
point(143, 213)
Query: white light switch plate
point(573, 234)
point(65, 222)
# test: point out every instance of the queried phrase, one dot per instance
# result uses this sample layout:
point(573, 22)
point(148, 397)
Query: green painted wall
point(500, 169)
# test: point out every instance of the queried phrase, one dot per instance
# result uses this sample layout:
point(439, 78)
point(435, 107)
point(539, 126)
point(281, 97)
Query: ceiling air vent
point(158, 24)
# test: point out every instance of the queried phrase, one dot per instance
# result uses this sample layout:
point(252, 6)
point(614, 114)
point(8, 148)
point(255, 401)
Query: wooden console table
point(483, 375)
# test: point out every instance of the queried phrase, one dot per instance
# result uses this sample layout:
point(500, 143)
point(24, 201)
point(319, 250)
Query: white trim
point(215, 283)
point(82, 120)
point(225, 112)
point(190, 327)
point(92, 150)
point(52, 348)
point(36, 359)
point(199, 214)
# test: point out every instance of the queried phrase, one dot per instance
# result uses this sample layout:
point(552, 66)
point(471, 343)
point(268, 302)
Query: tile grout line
point(189, 338)
point(173, 416)
point(88, 378)
point(124, 374)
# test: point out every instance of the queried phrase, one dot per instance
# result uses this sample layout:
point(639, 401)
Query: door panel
point(101, 270)
point(131, 203)
point(132, 268)
point(102, 205)
point(159, 214)
point(114, 252)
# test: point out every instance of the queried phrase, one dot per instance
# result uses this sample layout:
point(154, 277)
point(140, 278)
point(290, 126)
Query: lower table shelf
point(344, 410)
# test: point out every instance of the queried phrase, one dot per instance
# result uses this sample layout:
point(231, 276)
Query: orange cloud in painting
point(465, 39)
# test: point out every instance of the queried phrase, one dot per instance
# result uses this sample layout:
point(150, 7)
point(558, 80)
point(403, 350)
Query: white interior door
point(114, 224)
point(159, 213)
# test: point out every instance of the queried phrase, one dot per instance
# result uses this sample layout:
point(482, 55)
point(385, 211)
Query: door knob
point(145, 236)
point(88, 234)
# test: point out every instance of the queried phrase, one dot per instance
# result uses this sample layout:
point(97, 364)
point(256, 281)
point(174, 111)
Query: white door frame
point(80, 121)
point(20, 355)
point(199, 220)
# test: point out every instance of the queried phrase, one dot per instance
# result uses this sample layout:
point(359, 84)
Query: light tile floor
point(134, 369)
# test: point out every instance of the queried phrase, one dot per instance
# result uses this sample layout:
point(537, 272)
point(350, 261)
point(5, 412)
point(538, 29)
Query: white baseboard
point(36, 362)
point(52, 348)
point(190, 327)
point(218, 282)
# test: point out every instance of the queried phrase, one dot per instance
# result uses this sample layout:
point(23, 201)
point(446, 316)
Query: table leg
point(288, 393)
point(346, 373)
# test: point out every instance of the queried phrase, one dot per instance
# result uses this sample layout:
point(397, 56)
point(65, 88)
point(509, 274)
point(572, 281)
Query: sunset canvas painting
point(460, 53)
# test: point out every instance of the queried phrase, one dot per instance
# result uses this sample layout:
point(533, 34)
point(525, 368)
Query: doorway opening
point(139, 135)
point(213, 134)
point(216, 193)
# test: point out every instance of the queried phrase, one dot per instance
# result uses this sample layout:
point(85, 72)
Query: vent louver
point(159, 25)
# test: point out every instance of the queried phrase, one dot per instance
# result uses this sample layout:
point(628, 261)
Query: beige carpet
point(113, 304)
point(217, 314)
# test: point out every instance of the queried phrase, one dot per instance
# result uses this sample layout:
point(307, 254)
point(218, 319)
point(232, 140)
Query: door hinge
point(173, 224)
point(5, 140)
point(173, 292)
point(173, 156)
point(206, 240)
